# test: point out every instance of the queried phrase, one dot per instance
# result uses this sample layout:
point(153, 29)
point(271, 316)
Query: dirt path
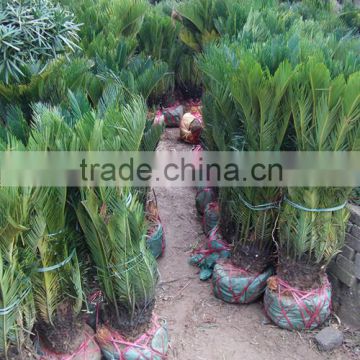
point(200, 326)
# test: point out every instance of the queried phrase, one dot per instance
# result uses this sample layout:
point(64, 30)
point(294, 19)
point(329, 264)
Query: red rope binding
point(232, 272)
point(207, 249)
point(300, 296)
point(143, 342)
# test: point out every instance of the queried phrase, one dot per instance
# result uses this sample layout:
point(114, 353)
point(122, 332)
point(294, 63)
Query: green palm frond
point(326, 117)
point(115, 232)
point(16, 300)
point(14, 290)
point(151, 136)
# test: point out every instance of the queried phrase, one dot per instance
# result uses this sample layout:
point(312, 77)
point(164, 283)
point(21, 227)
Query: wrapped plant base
point(94, 301)
point(170, 116)
point(88, 349)
point(190, 128)
point(152, 345)
point(211, 217)
point(193, 106)
point(214, 249)
point(236, 285)
point(156, 239)
point(295, 309)
point(156, 234)
point(204, 197)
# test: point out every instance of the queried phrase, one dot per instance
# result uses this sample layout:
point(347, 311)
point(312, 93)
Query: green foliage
point(158, 36)
point(51, 242)
point(16, 301)
point(115, 232)
point(251, 94)
point(276, 77)
point(326, 117)
point(108, 20)
point(159, 39)
point(204, 22)
point(45, 236)
point(31, 33)
point(109, 36)
point(351, 15)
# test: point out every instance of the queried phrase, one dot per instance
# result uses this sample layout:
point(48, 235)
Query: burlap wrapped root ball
point(170, 117)
point(204, 196)
point(156, 235)
point(206, 256)
point(294, 309)
point(211, 217)
point(152, 345)
point(191, 127)
point(155, 239)
point(235, 285)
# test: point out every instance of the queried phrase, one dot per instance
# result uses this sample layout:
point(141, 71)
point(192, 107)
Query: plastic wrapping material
point(236, 285)
point(295, 309)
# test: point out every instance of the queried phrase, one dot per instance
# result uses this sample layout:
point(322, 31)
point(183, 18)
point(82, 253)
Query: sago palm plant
point(159, 38)
point(17, 312)
point(115, 230)
point(254, 106)
point(107, 20)
point(264, 111)
point(51, 242)
point(56, 276)
point(326, 117)
point(204, 22)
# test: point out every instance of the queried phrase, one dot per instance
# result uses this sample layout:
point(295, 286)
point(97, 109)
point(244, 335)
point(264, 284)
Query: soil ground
point(202, 327)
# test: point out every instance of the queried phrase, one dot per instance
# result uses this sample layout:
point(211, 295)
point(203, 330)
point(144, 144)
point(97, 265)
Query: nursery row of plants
point(89, 75)
point(283, 84)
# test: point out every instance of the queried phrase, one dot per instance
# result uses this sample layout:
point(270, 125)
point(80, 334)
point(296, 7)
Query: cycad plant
point(55, 272)
point(254, 106)
point(158, 39)
point(204, 22)
point(263, 107)
point(326, 117)
point(55, 278)
point(17, 312)
point(114, 225)
point(105, 22)
point(51, 87)
point(109, 37)
point(115, 230)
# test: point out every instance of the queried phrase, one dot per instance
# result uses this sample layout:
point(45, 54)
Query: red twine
point(233, 271)
point(122, 346)
point(207, 249)
point(300, 297)
point(82, 350)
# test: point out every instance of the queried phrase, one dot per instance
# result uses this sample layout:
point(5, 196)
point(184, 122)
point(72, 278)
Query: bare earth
point(200, 326)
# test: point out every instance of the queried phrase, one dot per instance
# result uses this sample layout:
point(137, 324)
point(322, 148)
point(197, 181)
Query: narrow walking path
point(200, 326)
